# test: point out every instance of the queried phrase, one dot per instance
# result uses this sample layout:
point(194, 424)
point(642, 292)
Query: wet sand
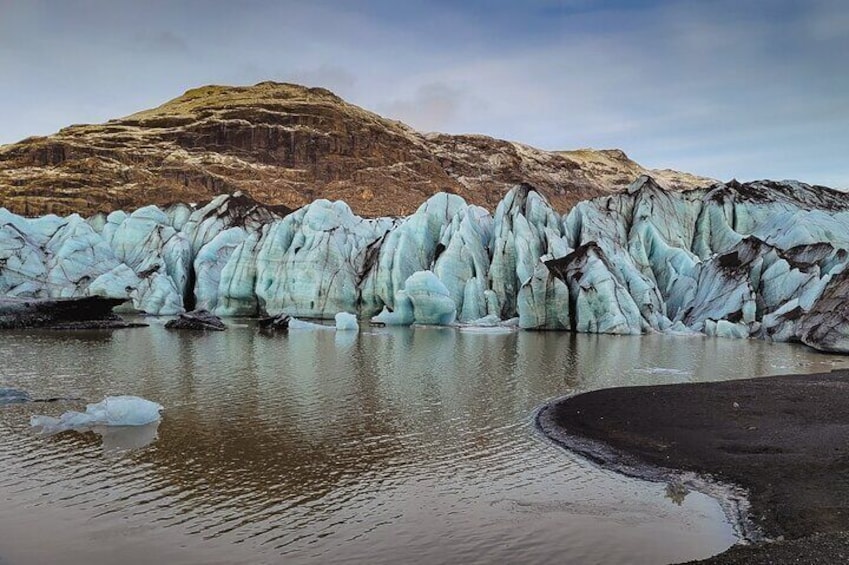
point(783, 439)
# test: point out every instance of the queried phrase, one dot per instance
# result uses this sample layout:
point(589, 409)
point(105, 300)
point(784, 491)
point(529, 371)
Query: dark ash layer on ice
point(763, 259)
point(91, 312)
point(780, 439)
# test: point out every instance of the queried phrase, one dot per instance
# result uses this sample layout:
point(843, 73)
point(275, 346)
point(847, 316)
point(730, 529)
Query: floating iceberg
point(111, 411)
point(346, 322)
point(296, 324)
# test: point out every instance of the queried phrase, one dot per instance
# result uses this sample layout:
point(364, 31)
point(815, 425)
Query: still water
point(387, 446)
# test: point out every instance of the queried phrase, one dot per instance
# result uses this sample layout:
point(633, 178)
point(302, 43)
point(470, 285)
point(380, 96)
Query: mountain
point(287, 145)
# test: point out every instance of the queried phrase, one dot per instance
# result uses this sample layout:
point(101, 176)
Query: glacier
point(763, 259)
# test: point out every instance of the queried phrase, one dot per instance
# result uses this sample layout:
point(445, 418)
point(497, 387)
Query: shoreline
point(773, 450)
point(732, 498)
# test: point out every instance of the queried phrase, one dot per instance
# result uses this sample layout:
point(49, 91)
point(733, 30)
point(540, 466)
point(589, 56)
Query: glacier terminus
point(763, 259)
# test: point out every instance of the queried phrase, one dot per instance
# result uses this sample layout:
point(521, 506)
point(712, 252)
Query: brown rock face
point(287, 145)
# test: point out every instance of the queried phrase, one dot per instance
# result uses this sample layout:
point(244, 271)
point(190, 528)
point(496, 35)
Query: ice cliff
point(763, 259)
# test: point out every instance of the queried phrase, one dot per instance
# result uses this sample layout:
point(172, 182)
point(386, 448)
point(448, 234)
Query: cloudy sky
point(724, 88)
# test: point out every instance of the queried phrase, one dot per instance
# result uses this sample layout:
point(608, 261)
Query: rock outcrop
point(91, 312)
point(762, 259)
point(286, 146)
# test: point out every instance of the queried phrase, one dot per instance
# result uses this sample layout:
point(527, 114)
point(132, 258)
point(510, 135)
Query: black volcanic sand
point(784, 439)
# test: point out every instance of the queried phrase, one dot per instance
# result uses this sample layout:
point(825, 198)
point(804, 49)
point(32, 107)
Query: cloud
point(331, 77)
point(694, 85)
point(162, 41)
point(826, 20)
point(432, 107)
point(674, 87)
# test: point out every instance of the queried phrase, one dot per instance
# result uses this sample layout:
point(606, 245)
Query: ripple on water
point(393, 445)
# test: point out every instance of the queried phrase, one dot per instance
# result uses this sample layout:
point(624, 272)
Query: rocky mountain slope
point(287, 145)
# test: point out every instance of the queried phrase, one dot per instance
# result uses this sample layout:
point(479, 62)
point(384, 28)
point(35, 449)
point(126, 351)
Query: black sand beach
point(784, 439)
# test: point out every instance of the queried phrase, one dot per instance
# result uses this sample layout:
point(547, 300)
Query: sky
point(724, 88)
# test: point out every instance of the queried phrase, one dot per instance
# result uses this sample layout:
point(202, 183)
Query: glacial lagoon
point(390, 445)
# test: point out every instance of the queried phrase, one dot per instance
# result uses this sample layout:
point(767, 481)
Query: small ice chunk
point(111, 411)
point(401, 316)
point(346, 322)
point(666, 371)
point(389, 318)
point(13, 396)
point(491, 324)
point(491, 330)
point(678, 328)
point(296, 324)
point(724, 328)
point(486, 322)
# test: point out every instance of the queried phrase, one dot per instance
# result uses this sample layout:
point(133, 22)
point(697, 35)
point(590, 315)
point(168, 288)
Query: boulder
point(274, 323)
point(196, 320)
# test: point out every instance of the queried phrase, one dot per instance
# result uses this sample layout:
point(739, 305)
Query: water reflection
point(381, 446)
point(676, 492)
point(119, 439)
